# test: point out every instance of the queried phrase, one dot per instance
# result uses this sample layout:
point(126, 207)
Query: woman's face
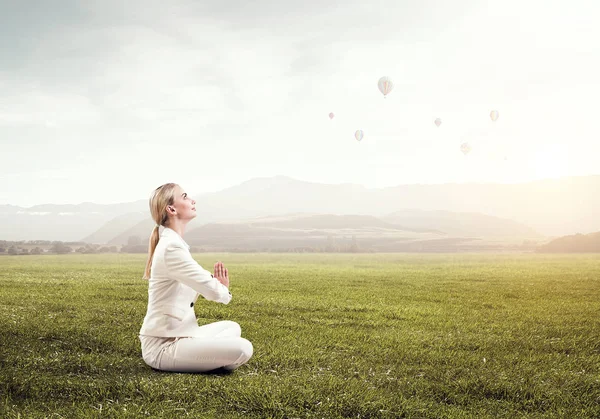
point(185, 207)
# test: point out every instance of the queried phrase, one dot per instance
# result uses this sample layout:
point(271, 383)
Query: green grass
point(334, 335)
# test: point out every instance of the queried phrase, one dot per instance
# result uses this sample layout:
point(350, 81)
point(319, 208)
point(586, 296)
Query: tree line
point(57, 248)
point(136, 245)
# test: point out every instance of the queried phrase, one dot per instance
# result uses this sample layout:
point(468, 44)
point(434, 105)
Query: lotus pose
point(170, 336)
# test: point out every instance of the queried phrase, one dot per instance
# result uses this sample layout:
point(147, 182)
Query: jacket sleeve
point(182, 267)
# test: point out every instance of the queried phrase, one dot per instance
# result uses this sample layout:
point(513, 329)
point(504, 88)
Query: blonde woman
point(170, 336)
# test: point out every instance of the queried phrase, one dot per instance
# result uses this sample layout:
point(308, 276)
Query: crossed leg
point(219, 345)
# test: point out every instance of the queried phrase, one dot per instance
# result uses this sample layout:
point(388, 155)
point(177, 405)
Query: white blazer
point(176, 280)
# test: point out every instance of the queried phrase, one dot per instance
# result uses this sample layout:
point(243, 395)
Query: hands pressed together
point(221, 274)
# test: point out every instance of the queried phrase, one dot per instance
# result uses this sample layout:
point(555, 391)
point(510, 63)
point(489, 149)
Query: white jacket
point(176, 280)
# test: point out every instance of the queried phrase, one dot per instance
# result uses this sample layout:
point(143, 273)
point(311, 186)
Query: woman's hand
point(221, 274)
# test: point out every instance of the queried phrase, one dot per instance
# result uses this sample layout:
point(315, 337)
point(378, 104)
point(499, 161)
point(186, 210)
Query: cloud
point(94, 85)
point(39, 107)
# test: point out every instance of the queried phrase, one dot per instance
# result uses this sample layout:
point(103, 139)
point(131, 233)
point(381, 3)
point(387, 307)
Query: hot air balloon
point(331, 115)
point(494, 115)
point(465, 148)
point(385, 85)
point(358, 135)
point(438, 122)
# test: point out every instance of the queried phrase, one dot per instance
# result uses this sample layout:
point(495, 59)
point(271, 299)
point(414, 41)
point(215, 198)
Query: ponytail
point(151, 247)
point(161, 197)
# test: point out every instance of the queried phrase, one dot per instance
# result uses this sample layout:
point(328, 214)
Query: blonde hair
point(162, 196)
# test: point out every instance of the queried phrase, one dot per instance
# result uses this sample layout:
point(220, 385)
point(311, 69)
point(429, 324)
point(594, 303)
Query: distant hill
point(468, 224)
point(324, 231)
point(551, 207)
point(327, 231)
point(330, 221)
point(115, 227)
point(141, 229)
point(409, 224)
point(61, 222)
point(575, 243)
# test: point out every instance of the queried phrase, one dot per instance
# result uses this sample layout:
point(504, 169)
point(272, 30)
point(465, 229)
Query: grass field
point(334, 335)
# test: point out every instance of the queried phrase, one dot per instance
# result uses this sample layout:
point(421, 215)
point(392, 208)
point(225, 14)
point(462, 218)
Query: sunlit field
point(334, 335)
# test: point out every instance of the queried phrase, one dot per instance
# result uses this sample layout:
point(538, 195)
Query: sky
point(105, 101)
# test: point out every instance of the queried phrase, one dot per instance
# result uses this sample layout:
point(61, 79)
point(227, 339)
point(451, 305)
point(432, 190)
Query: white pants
point(219, 345)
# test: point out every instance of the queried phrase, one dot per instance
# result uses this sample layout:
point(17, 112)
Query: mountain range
point(532, 210)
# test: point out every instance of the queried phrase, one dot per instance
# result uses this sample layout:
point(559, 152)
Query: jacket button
point(191, 304)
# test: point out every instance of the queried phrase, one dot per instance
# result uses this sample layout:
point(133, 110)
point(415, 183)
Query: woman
point(170, 336)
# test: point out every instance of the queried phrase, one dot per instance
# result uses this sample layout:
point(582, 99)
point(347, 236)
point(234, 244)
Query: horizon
point(210, 95)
